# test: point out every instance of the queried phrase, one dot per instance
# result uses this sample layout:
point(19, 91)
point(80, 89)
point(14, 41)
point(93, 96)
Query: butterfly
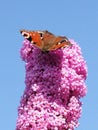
point(45, 40)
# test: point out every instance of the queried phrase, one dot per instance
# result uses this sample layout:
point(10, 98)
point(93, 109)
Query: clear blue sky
point(76, 19)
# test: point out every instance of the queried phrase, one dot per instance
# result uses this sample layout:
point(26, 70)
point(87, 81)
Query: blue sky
point(76, 19)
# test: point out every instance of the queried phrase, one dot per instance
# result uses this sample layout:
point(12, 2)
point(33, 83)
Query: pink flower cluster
point(54, 85)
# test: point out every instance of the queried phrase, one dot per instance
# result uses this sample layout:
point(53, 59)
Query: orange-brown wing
point(60, 42)
point(34, 37)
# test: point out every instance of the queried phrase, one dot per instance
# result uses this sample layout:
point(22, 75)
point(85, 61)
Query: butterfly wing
point(57, 42)
point(35, 37)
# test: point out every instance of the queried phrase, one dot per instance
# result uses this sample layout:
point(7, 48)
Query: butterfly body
point(45, 40)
